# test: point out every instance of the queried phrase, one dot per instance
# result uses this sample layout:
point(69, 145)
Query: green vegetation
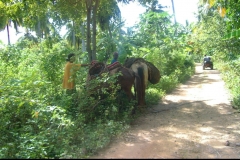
point(39, 120)
point(217, 35)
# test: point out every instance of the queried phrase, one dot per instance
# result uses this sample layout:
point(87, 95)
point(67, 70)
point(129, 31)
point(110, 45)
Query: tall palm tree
point(6, 20)
point(6, 23)
point(173, 12)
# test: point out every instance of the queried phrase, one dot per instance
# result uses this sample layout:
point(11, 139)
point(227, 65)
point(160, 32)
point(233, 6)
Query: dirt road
point(194, 121)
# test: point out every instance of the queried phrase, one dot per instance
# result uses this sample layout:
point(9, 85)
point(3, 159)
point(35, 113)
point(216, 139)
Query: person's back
point(115, 57)
point(206, 58)
point(209, 58)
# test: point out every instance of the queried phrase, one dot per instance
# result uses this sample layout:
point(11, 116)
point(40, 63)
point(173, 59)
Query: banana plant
point(232, 34)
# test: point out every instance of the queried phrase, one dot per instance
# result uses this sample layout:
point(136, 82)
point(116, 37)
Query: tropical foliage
point(39, 120)
point(217, 34)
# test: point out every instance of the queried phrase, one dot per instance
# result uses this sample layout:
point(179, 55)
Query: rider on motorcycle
point(206, 59)
point(207, 62)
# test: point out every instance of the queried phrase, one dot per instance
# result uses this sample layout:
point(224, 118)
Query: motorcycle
point(208, 64)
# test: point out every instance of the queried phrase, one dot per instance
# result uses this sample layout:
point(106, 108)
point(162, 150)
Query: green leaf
point(144, 49)
point(233, 34)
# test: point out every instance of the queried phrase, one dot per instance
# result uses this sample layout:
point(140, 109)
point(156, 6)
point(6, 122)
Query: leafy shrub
point(230, 73)
point(153, 95)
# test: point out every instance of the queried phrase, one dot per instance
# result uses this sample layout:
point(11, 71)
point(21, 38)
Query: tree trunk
point(174, 16)
point(73, 36)
point(110, 34)
point(89, 9)
point(83, 35)
point(8, 34)
point(39, 28)
point(94, 22)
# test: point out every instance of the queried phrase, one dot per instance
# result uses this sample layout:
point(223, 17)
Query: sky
point(184, 10)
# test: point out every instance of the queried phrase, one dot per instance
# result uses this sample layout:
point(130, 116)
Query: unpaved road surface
point(196, 120)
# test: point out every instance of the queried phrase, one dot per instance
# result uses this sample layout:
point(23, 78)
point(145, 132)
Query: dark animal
point(125, 79)
point(146, 71)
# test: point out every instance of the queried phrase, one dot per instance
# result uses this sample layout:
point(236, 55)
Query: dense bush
point(39, 120)
point(230, 72)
